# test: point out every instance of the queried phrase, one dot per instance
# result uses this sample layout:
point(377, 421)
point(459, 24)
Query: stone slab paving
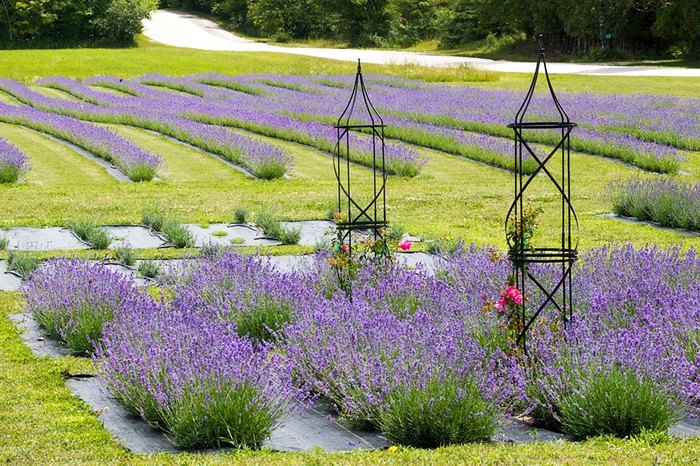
point(141, 237)
point(42, 239)
point(135, 236)
point(8, 282)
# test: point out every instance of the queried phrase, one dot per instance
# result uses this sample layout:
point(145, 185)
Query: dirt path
point(190, 31)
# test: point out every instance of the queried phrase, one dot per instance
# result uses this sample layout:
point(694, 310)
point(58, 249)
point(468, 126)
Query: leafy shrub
point(22, 263)
point(618, 403)
point(153, 218)
point(4, 242)
point(272, 228)
point(125, 255)
point(444, 412)
point(290, 235)
point(150, 269)
point(96, 237)
point(194, 377)
point(177, 234)
point(240, 215)
point(72, 300)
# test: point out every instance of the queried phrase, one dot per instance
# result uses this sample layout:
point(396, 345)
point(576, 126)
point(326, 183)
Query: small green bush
point(177, 234)
point(125, 255)
point(149, 269)
point(22, 263)
point(4, 242)
point(153, 218)
point(618, 403)
point(290, 235)
point(445, 412)
point(240, 215)
point(96, 237)
point(270, 226)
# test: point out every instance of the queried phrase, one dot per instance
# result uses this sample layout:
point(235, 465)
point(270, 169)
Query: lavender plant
point(97, 237)
point(194, 377)
point(663, 200)
point(73, 299)
point(631, 351)
point(13, 162)
point(22, 263)
point(243, 290)
point(363, 359)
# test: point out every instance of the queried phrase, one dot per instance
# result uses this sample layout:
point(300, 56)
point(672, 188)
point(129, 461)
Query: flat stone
point(8, 282)
point(135, 236)
point(131, 431)
point(517, 431)
point(42, 239)
point(36, 338)
point(313, 231)
point(236, 235)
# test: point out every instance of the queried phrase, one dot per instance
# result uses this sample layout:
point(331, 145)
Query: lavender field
point(426, 359)
point(444, 139)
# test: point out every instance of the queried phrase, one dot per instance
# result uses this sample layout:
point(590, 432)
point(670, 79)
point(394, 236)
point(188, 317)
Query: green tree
point(285, 19)
point(679, 21)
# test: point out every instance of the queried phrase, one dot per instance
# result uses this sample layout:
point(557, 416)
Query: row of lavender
point(426, 359)
point(300, 108)
point(436, 116)
point(263, 160)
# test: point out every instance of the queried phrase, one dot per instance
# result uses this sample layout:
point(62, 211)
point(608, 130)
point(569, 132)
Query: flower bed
point(137, 163)
point(428, 360)
point(644, 131)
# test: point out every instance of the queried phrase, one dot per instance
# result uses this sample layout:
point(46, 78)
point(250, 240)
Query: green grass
point(452, 196)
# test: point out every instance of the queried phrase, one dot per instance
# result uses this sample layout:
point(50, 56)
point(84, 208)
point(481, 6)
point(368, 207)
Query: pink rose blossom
point(405, 245)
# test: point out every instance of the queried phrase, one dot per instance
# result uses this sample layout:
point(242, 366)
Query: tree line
point(70, 22)
point(574, 27)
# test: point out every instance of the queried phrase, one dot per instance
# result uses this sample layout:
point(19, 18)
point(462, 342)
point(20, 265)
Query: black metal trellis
point(360, 215)
point(558, 293)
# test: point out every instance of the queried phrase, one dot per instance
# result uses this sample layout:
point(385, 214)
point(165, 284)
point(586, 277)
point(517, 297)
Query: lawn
point(42, 422)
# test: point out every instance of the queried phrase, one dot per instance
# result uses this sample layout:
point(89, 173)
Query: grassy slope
point(41, 422)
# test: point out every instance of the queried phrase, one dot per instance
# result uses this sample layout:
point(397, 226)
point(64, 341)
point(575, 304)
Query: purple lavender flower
point(73, 299)
point(663, 200)
point(13, 162)
point(194, 377)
